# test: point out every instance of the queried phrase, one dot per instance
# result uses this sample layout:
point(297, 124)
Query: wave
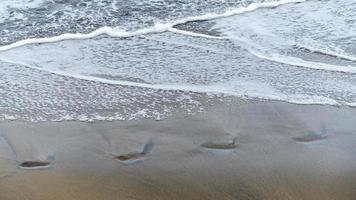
point(351, 104)
point(249, 90)
point(327, 53)
point(289, 60)
point(298, 62)
point(252, 48)
point(7, 5)
point(188, 88)
point(157, 28)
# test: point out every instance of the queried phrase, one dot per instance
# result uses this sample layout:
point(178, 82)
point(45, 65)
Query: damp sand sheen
point(264, 157)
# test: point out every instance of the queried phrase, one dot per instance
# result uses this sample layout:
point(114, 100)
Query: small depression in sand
point(313, 136)
point(131, 157)
point(35, 165)
point(310, 137)
point(220, 145)
point(135, 157)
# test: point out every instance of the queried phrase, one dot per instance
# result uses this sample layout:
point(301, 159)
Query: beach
point(180, 100)
point(267, 163)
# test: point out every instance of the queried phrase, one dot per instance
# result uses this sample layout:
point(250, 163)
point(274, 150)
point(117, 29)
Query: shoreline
point(207, 103)
point(266, 164)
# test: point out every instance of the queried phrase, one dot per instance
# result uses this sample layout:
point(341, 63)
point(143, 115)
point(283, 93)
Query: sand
point(267, 162)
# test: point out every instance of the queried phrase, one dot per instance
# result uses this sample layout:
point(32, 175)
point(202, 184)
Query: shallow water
point(107, 60)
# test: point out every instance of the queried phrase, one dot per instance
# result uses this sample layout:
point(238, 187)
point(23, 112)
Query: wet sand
point(267, 162)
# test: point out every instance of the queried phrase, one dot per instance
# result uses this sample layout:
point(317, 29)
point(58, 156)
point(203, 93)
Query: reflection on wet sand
point(267, 165)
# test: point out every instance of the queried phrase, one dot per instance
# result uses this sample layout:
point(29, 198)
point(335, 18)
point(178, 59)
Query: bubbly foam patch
point(7, 8)
point(165, 64)
point(35, 95)
point(294, 34)
point(158, 27)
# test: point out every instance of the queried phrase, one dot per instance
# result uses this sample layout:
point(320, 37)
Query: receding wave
point(294, 61)
point(159, 27)
point(144, 64)
point(327, 53)
point(249, 89)
point(289, 60)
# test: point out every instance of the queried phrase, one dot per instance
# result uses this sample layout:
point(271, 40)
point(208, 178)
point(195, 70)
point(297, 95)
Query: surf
point(285, 59)
point(157, 28)
point(223, 88)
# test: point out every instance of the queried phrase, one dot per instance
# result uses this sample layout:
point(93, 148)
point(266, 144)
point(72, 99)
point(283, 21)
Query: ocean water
point(134, 59)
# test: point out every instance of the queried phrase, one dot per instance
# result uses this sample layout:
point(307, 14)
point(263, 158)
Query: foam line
point(212, 89)
point(351, 104)
point(306, 64)
point(329, 53)
point(298, 62)
point(249, 8)
point(80, 36)
point(188, 88)
point(159, 27)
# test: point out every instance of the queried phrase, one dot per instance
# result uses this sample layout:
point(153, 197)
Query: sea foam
point(242, 89)
point(289, 60)
point(157, 28)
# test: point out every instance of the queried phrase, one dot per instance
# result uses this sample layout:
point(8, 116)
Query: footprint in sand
point(134, 157)
point(220, 145)
point(37, 164)
point(33, 164)
point(312, 136)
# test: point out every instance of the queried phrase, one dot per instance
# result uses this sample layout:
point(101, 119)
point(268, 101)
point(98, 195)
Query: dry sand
point(267, 163)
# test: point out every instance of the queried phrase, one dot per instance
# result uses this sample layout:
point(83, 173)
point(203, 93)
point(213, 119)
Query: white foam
point(193, 88)
point(294, 61)
point(351, 104)
point(265, 53)
point(315, 26)
point(5, 5)
point(9, 117)
point(330, 53)
point(303, 63)
point(314, 99)
point(159, 27)
point(242, 89)
point(113, 32)
point(249, 8)
point(287, 59)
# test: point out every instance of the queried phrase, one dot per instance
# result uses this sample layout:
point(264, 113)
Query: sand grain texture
point(267, 165)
